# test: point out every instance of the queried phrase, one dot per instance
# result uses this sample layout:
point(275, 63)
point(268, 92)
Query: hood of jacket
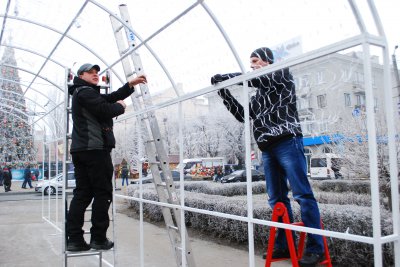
point(78, 82)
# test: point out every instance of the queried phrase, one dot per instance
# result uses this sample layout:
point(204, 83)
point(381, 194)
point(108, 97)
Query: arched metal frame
point(365, 40)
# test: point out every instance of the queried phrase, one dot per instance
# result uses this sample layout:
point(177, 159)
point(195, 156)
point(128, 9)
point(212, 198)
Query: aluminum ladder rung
point(117, 30)
point(173, 227)
point(72, 254)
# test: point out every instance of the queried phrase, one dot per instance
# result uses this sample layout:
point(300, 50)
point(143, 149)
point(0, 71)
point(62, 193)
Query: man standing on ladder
point(277, 130)
point(92, 142)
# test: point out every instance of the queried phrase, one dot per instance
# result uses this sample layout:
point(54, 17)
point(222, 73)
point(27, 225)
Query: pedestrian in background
point(7, 177)
point(27, 177)
point(1, 176)
point(125, 174)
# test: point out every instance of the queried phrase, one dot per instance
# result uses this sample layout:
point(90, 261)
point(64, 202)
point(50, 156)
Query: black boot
point(101, 245)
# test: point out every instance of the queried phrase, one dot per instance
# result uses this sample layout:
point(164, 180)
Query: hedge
point(336, 214)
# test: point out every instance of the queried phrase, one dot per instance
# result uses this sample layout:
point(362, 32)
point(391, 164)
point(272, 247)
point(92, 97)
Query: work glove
point(217, 78)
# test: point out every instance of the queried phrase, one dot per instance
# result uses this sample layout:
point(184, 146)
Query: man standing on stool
point(92, 141)
point(278, 135)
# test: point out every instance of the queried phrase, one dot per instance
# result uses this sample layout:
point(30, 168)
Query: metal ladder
point(155, 150)
point(68, 191)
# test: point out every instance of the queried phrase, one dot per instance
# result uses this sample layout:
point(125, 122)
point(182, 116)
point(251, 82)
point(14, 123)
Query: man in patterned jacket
point(278, 134)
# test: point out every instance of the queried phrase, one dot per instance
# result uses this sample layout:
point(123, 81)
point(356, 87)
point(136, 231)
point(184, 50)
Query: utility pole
point(396, 75)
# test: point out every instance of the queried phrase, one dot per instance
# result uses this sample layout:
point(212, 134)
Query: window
point(321, 101)
point(305, 81)
point(360, 100)
point(310, 128)
point(318, 162)
point(320, 77)
point(359, 77)
point(347, 100)
point(345, 75)
point(303, 103)
point(327, 150)
point(307, 127)
point(323, 127)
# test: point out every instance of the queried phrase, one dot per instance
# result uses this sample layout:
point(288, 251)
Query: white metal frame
point(364, 39)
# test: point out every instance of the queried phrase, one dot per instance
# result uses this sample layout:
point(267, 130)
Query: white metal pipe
point(225, 36)
point(357, 16)
point(63, 35)
point(352, 237)
point(144, 42)
point(140, 167)
point(394, 183)
point(181, 184)
point(372, 153)
point(330, 49)
point(249, 186)
point(67, 36)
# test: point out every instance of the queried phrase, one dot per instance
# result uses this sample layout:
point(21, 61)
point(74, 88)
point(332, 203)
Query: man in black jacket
point(278, 134)
point(92, 141)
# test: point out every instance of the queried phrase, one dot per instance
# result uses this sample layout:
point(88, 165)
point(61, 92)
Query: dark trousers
point(93, 174)
point(7, 185)
point(27, 181)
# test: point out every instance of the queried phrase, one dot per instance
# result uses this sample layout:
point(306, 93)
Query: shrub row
point(340, 186)
point(340, 218)
point(227, 190)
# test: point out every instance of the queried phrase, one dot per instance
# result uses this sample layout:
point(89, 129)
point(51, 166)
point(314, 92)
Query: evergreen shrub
point(346, 213)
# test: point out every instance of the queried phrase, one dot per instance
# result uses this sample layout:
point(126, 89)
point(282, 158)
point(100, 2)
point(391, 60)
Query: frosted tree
point(16, 140)
point(352, 146)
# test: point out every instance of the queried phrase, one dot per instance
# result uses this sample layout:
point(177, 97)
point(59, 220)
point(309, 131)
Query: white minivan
point(326, 166)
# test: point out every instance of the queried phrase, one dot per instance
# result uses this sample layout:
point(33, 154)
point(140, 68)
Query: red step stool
point(281, 211)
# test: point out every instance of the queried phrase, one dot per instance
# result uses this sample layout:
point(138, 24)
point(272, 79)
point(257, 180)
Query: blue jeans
point(286, 162)
point(124, 179)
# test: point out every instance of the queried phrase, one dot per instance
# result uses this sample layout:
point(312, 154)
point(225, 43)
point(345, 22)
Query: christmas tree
point(16, 140)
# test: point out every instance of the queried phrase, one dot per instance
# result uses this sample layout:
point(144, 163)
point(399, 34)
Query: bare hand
point(122, 103)
point(138, 80)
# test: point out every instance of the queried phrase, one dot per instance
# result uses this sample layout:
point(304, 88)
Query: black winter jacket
point(272, 109)
point(92, 115)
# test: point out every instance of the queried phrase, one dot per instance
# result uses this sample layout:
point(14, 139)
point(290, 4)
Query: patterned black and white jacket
point(272, 109)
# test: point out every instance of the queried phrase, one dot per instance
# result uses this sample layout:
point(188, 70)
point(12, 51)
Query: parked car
point(175, 177)
point(326, 166)
point(240, 176)
point(50, 186)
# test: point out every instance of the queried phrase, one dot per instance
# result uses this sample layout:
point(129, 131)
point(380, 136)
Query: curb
point(17, 193)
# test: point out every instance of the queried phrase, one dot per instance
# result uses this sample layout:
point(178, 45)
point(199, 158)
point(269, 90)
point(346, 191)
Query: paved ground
point(28, 240)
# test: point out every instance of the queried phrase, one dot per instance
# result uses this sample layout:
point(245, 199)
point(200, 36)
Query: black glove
point(217, 78)
point(224, 93)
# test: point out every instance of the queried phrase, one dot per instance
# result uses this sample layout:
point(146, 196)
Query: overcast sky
point(192, 49)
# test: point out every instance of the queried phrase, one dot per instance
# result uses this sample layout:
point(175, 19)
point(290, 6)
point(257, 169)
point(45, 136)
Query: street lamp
point(396, 70)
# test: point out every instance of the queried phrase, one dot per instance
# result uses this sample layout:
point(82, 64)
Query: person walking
point(92, 142)
point(27, 177)
point(125, 174)
point(1, 176)
point(7, 177)
point(36, 172)
point(278, 134)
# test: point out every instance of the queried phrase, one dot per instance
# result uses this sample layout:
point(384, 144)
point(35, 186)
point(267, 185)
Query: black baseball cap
point(87, 67)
